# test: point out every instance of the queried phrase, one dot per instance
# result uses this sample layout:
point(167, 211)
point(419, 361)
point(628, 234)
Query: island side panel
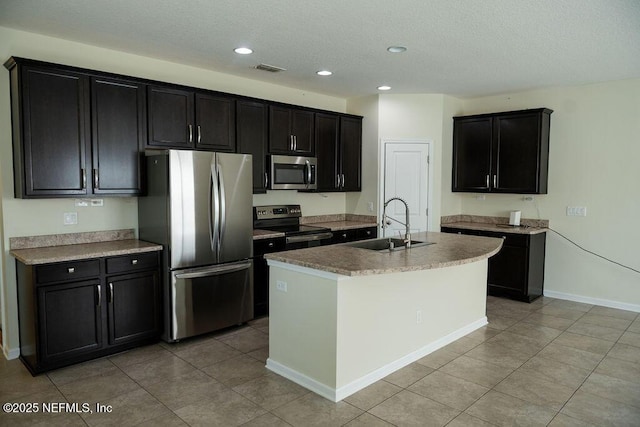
point(379, 328)
point(302, 326)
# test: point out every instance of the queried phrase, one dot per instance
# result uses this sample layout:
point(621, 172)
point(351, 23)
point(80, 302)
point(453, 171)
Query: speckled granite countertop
point(33, 250)
point(448, 250)
point(498, 228)
point(495, 223)
point(266, 234)
point(343, 225)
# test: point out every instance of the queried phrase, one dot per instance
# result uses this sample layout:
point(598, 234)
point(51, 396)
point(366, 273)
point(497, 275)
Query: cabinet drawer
point(67, 271)
point(520, 240)
point(265, 246)
point(134, 262)
point(367, 233)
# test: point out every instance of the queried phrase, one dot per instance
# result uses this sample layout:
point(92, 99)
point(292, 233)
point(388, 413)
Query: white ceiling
point(463, 48)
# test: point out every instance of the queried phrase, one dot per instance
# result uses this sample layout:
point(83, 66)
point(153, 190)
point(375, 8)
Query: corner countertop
point(497, 228)
point(447, 250)
point(266, 234)
point(344, 224)
point(50, 254)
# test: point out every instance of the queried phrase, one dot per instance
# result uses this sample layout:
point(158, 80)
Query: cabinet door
point(70, 318)
point(133, 307)
point(327, 151)
point(215, 123)
point(56, 131)
point(517, 153)
point(351, 153)
point(472, 154)
point(280, 136)
point(119, 131)
point(251, 133)
point(302, 130)
point(170, 118)
point(508, 270)
point(261, 273)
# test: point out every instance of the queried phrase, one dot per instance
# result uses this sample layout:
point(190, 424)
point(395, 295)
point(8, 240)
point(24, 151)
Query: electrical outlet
point(70, 218)
point(82, 203)
point(576, 211)
point(480, 197)
point(281, 286)
point(418, 317)
point(97, 202)
point(370, 206)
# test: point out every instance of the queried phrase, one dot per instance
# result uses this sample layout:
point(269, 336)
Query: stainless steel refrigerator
point(199, 207)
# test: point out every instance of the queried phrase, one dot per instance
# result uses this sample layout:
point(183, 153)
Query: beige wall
point(593, 162)
point(33, 217)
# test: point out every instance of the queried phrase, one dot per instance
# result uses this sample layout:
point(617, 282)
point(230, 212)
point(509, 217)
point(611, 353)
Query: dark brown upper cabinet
point(502, 152)
point(74, 134)
point(251, 134)
point(338, 148)
point(291, 131)
point(119, 130)
point(186, 119)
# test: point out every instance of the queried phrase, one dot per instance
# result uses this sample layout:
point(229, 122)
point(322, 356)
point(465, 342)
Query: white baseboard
point(594, 301)
point(11, 353)
point(336, 395)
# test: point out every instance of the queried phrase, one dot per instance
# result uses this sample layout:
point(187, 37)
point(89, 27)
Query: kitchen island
point(343, 317)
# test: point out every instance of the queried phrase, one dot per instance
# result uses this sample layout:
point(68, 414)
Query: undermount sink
point(387, 244)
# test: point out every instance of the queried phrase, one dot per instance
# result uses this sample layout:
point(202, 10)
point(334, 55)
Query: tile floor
point(552, 362)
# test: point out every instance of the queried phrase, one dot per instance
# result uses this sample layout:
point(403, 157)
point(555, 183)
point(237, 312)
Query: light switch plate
point(576, 211)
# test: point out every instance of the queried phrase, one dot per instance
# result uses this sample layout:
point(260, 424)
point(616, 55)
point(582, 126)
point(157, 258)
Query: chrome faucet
point(407, 234)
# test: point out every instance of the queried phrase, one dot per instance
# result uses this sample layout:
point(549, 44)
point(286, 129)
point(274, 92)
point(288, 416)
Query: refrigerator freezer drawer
point(210, 298)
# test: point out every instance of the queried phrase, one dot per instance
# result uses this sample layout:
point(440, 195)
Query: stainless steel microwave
point(292, 173)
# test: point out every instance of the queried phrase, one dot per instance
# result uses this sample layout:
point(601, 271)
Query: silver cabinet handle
point(96, 180)
point(99, 295)
point(270, 244)
point(199, 134)
point(338, 181)
point(110, 293)
point(495, 181)
point(83, 175)
point(266, 180)
point(487, 185)
point(71, 270)
point(190, 133)
point(134, 262)
point(291, 142)
point(295, 142)
point(342, 180)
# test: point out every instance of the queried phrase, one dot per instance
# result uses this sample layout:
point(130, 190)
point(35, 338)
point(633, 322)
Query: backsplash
point(29, 242)
point(337, 217)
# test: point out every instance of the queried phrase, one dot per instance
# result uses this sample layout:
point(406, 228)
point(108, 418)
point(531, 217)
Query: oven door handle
point(309, 237)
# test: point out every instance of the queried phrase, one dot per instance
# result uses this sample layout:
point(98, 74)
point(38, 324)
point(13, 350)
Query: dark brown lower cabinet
point(517, 271)
point(74, 311)
point(261, 273)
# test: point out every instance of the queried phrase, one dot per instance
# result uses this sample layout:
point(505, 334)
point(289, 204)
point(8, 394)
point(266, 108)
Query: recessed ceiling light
point(384, 87)
point(397, 49)
point(243, 50)
point(324, 73)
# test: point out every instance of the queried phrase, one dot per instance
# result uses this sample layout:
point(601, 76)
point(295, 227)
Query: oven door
point(293, 173)
point(308, 240)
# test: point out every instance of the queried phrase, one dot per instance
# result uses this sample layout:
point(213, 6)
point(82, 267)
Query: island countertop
point(447, 250)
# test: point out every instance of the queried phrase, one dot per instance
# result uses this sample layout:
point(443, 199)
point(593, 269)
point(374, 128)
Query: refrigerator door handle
point(214, 215)
point(196, 273)
point(222, 213)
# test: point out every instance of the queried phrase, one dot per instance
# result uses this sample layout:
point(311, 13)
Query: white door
point(406, 175)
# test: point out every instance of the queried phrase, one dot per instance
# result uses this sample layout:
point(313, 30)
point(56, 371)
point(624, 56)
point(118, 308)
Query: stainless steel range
point(286, 219)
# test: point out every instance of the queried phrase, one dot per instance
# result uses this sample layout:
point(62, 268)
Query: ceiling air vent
point(270, 68)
